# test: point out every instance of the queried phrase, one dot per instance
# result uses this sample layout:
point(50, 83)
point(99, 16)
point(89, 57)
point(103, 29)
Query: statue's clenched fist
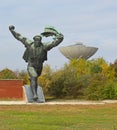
point(11, 27)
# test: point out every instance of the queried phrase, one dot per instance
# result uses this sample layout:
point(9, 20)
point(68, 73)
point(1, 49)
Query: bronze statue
point(36, 53)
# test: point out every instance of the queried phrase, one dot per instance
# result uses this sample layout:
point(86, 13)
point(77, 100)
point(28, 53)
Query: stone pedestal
point(29, 95)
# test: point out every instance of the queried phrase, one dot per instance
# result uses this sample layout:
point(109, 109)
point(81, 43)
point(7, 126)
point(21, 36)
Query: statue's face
point(37, 41)
point(37, 38)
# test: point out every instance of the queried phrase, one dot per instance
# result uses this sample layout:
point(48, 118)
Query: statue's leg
point(33, 85)
point(33, 82)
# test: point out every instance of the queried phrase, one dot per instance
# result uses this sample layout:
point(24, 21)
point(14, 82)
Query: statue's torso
point(35, 55)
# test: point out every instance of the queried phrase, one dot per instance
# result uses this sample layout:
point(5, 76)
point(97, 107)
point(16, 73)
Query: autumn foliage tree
point(79, 79)
point(7, 74)
point(88, 79)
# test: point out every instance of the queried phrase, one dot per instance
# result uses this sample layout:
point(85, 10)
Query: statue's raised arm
point(19, 37)
point(57, 37)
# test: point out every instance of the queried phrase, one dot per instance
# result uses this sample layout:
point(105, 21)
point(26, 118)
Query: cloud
point(92, 22)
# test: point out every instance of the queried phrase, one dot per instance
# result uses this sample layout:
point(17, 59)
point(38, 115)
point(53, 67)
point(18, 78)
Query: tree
point(45, 78)
point(7, 74)
point(23, 75)
point(56, 86)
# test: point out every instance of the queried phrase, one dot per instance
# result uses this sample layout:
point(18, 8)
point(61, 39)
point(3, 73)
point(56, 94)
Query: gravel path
point(72, 102)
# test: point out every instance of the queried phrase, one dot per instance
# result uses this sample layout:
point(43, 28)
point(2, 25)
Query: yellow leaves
point(7, 74)
point(43, 81)
point(81, 66)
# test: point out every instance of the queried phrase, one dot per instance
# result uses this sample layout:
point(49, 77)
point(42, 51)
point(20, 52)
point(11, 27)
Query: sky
point(92, 22)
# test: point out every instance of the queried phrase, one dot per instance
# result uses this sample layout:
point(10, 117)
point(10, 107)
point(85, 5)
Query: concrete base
point(29, 95)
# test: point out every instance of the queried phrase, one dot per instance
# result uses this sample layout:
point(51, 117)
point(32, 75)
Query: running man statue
point(36, 53)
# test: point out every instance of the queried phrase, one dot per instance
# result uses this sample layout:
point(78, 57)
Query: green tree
point(56, 86)
point(7, 74)
point(45, 79)
point(23, 75)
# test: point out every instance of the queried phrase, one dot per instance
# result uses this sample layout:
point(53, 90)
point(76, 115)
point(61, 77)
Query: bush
point(110, 90)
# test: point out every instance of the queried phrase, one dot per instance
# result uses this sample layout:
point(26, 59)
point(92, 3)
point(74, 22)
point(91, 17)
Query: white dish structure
point(78, 51)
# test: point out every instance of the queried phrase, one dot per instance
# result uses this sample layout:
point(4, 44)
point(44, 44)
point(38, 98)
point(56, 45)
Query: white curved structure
point(78, 51)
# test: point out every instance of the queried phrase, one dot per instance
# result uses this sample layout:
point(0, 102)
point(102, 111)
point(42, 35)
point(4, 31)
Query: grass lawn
point(58, 117)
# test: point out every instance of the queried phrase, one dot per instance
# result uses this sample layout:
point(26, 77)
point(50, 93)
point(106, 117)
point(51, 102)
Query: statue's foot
point(35, 98)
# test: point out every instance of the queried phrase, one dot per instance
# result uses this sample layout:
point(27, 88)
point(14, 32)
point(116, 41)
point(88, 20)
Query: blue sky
point(93, 22)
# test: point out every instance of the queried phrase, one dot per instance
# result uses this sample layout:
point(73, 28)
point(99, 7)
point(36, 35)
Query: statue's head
point(37, 40)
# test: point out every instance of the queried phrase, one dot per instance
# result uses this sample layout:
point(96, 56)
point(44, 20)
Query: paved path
point(70, 102)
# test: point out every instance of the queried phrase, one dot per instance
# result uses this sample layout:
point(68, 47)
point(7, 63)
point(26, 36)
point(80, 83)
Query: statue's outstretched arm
point(52, 31)
point(18, 36)
point(57, 40)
